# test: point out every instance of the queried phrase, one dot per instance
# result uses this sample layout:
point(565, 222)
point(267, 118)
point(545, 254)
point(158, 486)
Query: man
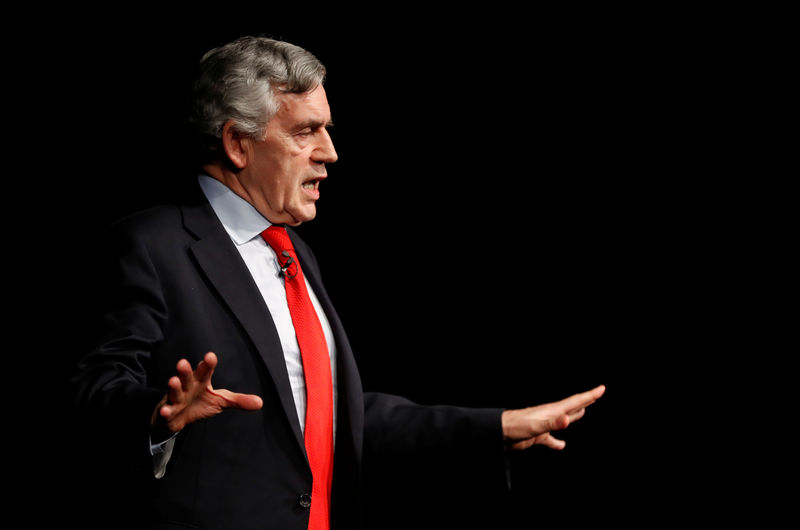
point(223, 380)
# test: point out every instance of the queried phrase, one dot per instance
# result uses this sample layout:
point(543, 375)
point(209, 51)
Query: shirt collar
point(240, 218)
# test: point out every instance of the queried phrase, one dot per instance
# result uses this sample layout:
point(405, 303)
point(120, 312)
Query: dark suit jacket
point(176, 287)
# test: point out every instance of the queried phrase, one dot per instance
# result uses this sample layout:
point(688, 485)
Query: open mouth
point(311, 186)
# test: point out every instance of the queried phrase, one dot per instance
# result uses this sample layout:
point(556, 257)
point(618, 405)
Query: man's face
point(283, 174)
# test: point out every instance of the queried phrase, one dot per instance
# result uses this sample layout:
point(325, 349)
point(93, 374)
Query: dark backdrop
point(509, 188)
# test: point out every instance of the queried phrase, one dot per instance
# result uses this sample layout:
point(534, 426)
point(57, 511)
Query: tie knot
point(277, 238)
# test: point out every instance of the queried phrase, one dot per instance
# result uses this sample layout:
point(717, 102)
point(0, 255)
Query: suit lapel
point(219, 260)
point(351, 396)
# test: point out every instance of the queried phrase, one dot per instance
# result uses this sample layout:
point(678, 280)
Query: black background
point(512, 219)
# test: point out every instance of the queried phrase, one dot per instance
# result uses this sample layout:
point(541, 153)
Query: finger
point(248, 402)
point(176, 389)
point(236, 400)
point(205, 369)
point(582, 400)
point(184, 371)
point(576, 415)
point(166, 411)
point(557, 423)
point(553, 443)
point(174, 421)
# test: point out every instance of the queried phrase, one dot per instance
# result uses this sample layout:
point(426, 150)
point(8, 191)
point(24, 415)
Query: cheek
point(293, 172)
point(278, 177)
point(282, 171)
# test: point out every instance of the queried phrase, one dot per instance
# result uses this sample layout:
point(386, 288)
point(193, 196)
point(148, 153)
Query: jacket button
point(305, 500)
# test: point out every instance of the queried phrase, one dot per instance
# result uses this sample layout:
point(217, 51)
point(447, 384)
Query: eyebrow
point(314, 124)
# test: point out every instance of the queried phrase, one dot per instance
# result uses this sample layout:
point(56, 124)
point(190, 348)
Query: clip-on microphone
point(288, 264)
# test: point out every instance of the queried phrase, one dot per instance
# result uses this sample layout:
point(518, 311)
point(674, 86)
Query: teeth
point(309, 185)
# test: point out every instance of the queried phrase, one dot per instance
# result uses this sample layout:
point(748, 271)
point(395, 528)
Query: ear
point(235, 145)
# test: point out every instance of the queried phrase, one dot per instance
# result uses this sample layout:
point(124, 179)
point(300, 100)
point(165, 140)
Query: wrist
point(507, 420)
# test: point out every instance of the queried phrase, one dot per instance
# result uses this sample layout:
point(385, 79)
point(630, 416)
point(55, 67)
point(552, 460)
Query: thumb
point(236, 400)
point(248, 401)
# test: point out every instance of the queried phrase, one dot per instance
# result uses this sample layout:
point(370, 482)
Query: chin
point(303, 216)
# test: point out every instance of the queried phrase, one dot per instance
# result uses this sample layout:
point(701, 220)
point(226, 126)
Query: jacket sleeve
point(114, 394)
point(396, 425)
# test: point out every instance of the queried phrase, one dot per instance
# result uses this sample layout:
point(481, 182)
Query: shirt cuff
point(161, 453)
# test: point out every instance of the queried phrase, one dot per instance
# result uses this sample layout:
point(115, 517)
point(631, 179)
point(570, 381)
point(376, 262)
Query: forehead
point(308, 106)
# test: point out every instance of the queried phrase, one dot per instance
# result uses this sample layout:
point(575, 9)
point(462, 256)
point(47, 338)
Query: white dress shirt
point(244, 225)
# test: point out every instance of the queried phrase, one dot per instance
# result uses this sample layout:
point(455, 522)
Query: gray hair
point(240, 81)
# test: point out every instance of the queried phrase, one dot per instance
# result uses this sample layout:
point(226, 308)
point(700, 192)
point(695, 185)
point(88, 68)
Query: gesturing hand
point(191, 396)
point(523, 428)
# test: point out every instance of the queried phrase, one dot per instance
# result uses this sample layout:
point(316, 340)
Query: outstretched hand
point(191, 396)
point(523, 428)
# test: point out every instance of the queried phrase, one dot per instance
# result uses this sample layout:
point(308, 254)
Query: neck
point(230, 179)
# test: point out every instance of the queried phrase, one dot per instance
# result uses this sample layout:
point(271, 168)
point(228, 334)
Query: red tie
point(317, 369)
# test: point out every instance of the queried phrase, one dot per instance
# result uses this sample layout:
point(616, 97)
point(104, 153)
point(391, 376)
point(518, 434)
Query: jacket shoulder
point(155, 231)
point(151, 221)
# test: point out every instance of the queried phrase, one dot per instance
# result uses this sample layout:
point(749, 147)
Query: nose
point(325, 153)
